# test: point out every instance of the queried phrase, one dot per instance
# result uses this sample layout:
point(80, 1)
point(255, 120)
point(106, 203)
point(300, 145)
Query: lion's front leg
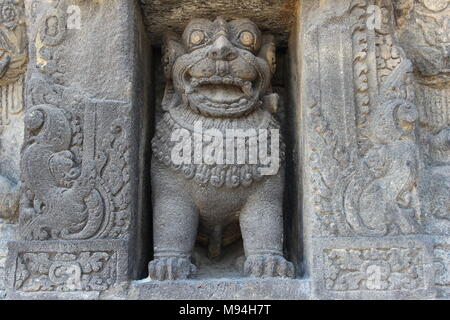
point(262, 232)
point(175, 222)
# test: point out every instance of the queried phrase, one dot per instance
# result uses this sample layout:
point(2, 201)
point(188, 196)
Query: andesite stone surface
point(354, 94)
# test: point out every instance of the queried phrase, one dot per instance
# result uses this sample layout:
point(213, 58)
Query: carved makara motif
point(218, 74)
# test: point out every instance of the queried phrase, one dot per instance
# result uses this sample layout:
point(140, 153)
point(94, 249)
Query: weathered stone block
point(362, 208)
point(55, 269)
point(221, 289)
point(374, 268)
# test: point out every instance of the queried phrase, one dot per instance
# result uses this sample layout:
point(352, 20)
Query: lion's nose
point(222, 49)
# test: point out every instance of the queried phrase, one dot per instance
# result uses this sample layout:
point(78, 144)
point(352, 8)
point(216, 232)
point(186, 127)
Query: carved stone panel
point(53, 268)
point(107, 184)
point(76, 158)
point(80, 170)
point(364, 268)
point(423, 31)
point(13, 62)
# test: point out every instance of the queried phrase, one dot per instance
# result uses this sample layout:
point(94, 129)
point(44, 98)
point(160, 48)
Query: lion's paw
point(170, 268)
point(268, 266)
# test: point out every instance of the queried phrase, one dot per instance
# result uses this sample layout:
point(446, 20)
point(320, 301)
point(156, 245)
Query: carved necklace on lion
point(217, 175)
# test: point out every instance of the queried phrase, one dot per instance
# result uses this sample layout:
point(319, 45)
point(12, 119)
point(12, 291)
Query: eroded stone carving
point(81, 271)
point(13, 45)
point(75, 181)
point(423, 29)
point(374, 269)
point(367, 185)
point(442, 265)
point(13, 60)
point(379, 194)
point(218, 73)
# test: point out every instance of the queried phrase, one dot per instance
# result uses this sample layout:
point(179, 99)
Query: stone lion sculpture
point(218, 74)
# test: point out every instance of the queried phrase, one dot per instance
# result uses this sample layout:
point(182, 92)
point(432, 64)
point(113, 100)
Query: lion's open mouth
point(222, 96)
point(222, 90)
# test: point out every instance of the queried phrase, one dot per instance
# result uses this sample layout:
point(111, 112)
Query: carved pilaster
point(362, 155)
point(79, 177)
point(13, 62)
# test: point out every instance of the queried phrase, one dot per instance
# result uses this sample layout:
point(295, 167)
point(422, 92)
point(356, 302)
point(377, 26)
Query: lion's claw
point(170, 268)
point(268, 266)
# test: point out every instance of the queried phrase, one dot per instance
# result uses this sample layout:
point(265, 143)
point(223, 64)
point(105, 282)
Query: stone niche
point(277, 18)
point(363, 109)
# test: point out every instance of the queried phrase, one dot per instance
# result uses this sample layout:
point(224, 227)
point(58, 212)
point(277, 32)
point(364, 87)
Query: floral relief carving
point(373, 269)
point(80, 271)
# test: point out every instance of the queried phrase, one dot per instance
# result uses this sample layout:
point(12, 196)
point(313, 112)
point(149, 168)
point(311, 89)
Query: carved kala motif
point(80, 271)
point(373, 269)
point(218, 74)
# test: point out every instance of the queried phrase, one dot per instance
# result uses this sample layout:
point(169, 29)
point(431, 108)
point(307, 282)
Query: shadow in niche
point(230, 263)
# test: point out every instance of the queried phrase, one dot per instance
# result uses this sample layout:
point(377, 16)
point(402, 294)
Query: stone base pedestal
point(221, 289)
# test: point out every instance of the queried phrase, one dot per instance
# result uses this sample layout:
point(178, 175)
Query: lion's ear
point(171, 50)
point(268, 51)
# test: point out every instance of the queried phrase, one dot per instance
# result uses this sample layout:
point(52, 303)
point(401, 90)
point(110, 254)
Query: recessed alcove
point(277, 17)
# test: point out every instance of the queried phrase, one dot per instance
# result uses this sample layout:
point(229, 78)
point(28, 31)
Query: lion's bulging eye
point(197, 37)
point(247, 38)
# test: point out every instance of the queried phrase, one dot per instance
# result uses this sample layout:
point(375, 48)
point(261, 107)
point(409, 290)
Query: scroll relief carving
point(423, 30)
point(442, 265)
point(75, 180)
point(13, 62)
point(370, 189)
point(374, 269)
point(218, 121)
point(82, 271)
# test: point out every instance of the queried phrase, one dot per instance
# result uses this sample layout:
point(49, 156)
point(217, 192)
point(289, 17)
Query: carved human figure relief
point(380, 193)
point(216, 151)
point(13, 61)
point(423, 31)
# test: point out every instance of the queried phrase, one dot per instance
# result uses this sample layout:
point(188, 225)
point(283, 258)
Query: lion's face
point(220, 68)
point(424, 33)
